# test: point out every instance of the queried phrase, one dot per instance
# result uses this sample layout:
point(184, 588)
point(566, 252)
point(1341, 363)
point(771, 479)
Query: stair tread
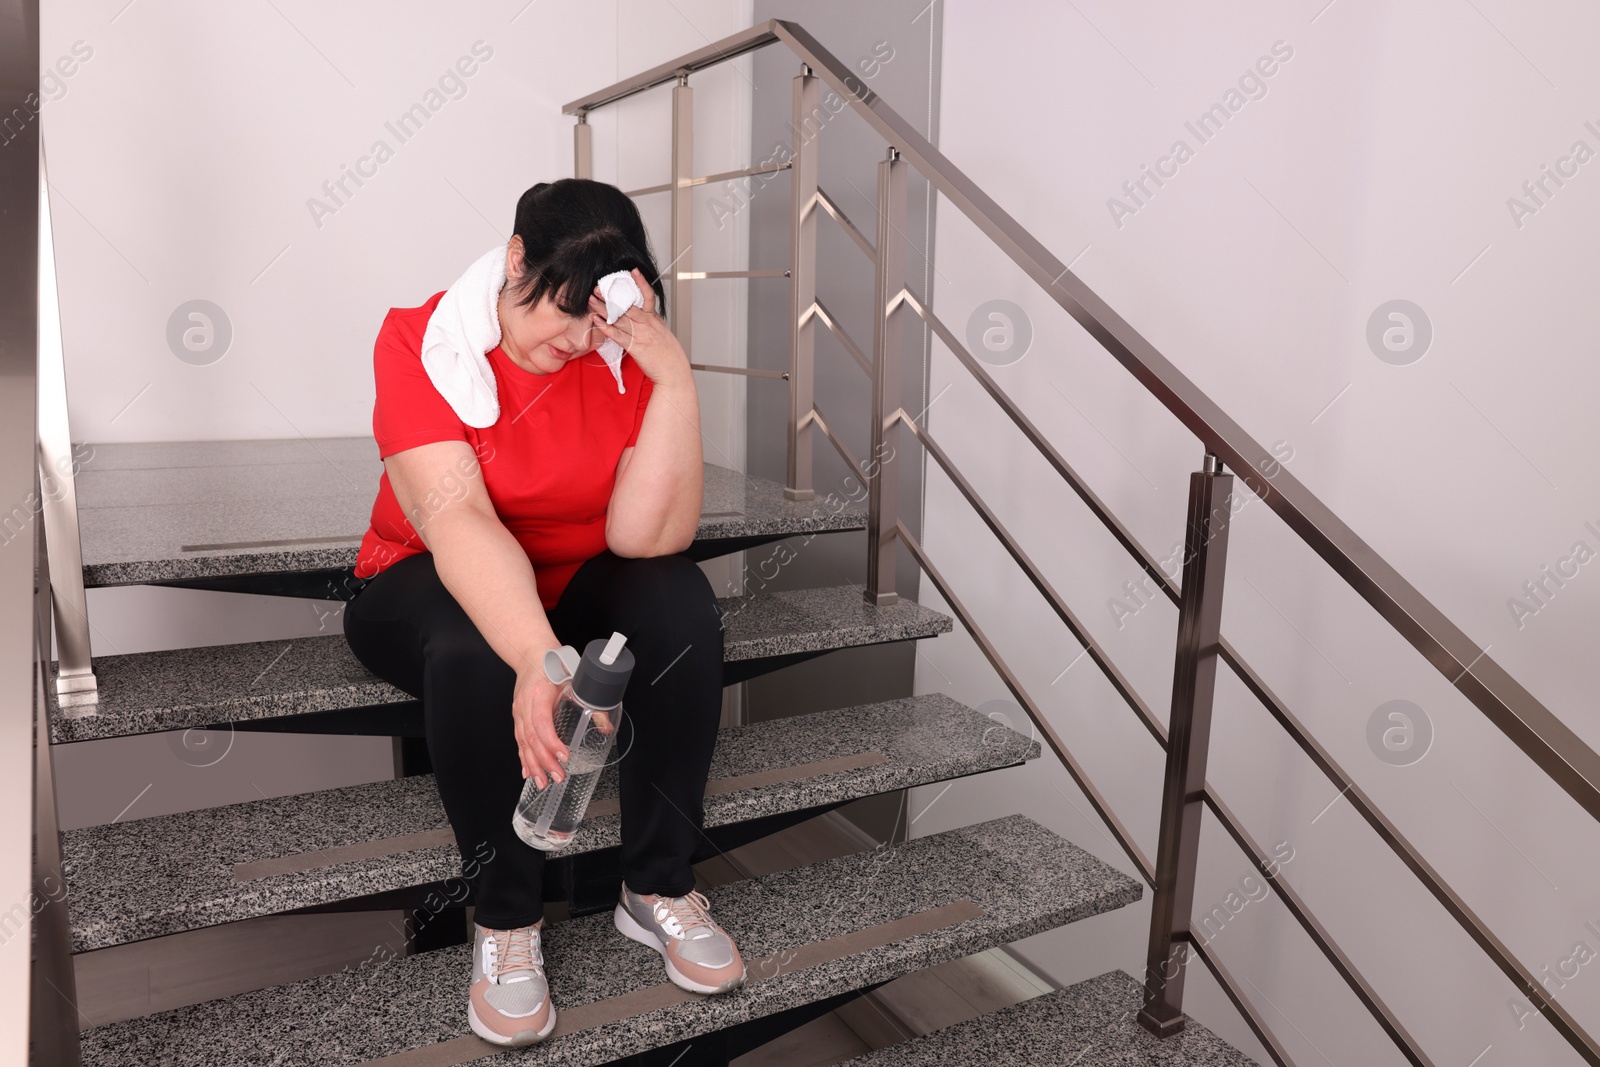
point(1090, 1024)
point(161, 875)
point(1022, 879)
point(183, 510)
point(180, 689)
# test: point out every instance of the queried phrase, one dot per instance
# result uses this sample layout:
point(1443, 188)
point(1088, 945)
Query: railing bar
point(1129, 543)
point(1319, 934)
point(696, 275)
point(1252, 1017)
point(729, 47)
point(1118, 682)
point(1458, 909)
point(690, 183)
point(838, 330)
point(1123, 838)
point(1552, 745)
point(843, 220)
point(748, 371)
point(742, 172)
point(844, 452)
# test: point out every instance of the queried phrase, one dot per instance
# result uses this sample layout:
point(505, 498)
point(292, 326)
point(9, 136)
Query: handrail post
point(882, 472)
point(54, 1019)
point(75, 681)
point(802, 287)
point(679, 318)
point(583, 147)
point(1194, 678)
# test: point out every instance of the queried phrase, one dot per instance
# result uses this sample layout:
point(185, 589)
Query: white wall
point(186, 142)
point(1377, 166)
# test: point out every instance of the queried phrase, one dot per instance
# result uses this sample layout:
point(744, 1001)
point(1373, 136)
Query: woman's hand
point(643, 334)
point(533, 709)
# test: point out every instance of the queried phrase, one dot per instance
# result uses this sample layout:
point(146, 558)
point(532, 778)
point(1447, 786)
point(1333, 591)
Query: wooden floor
point(131, 980)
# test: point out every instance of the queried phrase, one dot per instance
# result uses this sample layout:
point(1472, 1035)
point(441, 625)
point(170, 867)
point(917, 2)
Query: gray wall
point(1379, 161)
point(894, 49)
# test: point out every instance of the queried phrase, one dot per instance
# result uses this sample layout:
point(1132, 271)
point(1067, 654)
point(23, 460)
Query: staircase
point(283, 518)
point(213, 516)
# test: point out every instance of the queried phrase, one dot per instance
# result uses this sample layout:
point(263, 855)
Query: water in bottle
point(587, 711)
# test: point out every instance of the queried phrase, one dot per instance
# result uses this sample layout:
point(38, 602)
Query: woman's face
point(542, 339)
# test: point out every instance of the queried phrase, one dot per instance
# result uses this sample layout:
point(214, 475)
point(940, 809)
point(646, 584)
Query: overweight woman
point(563, 521)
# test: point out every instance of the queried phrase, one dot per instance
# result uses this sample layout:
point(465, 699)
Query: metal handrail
point(1457, 908)
point(820, 312)
point(1124, 839)
point(1549, 743)
point(1252, 1016)
point(1036, 438)
point(1424, 872)
point(1453, 904)
point(832, 208)
point(75, 681)
point(1317, 932)
point(707, 179)
point(1091, 647)
point(38, 1017)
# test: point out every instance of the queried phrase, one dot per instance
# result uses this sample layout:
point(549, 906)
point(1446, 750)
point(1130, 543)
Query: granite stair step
point(186, 688)
point(807, 934)
point(1090, 1024)
point(157, 876)
point(192, 511)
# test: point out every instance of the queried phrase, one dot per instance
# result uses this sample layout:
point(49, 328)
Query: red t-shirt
point(549, 461)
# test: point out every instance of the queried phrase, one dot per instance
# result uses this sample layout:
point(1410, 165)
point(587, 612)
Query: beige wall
point(188, 147)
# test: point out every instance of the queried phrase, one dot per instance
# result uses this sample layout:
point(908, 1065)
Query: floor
point(138, 979)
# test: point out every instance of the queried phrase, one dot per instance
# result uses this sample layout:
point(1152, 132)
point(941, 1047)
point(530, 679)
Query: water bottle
point(587, 711)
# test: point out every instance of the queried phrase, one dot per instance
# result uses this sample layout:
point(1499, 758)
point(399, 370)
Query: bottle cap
point(602, 676)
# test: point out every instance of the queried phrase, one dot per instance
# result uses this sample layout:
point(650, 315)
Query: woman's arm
point(660, 486)
point(656, 502)
point(440, 488)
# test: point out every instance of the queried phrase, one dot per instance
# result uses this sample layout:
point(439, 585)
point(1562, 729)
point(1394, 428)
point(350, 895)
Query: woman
point(563, 521)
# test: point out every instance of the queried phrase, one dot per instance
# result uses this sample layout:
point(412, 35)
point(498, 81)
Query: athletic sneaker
point(700, 955)
point(509, 1000)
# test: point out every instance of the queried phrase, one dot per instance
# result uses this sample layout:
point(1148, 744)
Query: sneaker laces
point(515, 950)
point(691, 911)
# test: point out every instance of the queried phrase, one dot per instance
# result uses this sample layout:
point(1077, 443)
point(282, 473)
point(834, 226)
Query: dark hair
point(574, 232)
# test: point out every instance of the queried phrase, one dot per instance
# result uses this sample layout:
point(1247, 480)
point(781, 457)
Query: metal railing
point(75, 681)
point(1200, 647)
point(38, 1016)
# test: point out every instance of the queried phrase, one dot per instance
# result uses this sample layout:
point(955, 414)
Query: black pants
point(408, 630)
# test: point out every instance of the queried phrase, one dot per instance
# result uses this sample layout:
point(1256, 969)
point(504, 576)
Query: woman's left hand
point(642, 333)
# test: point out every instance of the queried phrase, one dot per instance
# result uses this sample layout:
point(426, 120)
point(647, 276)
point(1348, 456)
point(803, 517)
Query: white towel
point(621, 292)
point(465, 327)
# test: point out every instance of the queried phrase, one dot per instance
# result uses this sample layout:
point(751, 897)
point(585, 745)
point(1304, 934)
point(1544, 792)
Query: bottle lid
point(602, 676)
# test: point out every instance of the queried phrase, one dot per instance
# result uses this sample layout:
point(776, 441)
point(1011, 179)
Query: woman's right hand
point(533, 709)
